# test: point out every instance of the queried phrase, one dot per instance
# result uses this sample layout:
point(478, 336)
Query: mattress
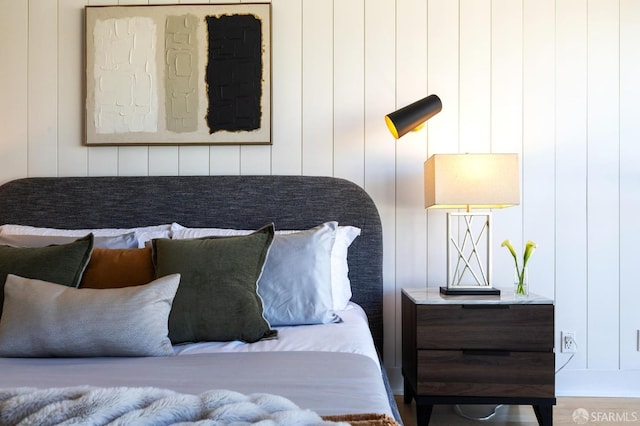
point(332, 369)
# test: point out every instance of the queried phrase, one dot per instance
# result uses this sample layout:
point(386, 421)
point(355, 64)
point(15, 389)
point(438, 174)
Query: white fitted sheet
point(352, 335)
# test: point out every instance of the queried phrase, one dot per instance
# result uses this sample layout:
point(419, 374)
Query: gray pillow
point(296, 283)
point(123, 241)
point(43, 319)
point(60, 264)
point(217, 299)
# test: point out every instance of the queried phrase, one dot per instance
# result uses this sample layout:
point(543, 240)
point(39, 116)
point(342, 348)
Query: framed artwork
point(178, 74)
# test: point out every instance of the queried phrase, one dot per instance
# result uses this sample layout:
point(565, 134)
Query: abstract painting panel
point(179, 74)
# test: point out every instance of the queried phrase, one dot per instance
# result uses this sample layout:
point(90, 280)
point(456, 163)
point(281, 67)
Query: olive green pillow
point(60, 264)
point(217, 299)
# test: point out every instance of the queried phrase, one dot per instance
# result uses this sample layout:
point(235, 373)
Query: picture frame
point(178, 74)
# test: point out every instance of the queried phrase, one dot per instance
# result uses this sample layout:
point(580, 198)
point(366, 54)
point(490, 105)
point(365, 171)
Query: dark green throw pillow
point(60, 264)
point(217, 299)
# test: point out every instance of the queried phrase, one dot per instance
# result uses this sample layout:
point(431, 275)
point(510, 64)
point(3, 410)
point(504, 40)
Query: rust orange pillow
point(117, 268)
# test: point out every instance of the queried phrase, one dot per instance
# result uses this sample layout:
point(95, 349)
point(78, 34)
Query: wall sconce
point(413, 116)
point(470, 181)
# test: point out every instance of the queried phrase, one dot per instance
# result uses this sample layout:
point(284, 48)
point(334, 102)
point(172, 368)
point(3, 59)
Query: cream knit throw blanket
point(88, 406)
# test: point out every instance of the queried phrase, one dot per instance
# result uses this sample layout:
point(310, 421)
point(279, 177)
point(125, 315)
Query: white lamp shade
point(481, 181)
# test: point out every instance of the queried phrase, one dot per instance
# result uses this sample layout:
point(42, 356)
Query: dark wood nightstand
point(478, 350)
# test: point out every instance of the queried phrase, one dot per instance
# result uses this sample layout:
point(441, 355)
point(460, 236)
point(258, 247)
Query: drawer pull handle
point(485, 353)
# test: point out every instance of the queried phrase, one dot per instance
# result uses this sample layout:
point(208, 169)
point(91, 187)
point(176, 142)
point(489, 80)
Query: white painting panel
point(125, 76)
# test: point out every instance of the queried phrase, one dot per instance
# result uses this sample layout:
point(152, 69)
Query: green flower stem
point(528, 250)
point(520, 287)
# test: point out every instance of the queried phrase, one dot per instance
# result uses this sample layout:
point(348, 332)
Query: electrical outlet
point(567, 342)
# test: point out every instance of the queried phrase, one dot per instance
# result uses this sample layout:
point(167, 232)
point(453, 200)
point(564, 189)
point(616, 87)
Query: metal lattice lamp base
point(464, 257)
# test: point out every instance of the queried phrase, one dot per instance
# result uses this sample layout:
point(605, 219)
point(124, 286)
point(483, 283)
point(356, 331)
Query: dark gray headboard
point(241, 202)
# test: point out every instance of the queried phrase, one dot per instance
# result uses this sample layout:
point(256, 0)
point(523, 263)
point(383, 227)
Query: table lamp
point(470, 181)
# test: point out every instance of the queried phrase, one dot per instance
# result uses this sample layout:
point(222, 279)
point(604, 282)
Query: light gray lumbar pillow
point(42, 319)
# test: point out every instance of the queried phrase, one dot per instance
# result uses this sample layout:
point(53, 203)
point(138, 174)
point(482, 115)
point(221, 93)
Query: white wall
point(553, 80)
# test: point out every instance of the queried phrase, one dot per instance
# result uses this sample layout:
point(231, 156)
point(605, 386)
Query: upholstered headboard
point(241, 202)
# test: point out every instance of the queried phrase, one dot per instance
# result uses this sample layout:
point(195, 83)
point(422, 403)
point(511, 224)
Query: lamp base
point(467, 291)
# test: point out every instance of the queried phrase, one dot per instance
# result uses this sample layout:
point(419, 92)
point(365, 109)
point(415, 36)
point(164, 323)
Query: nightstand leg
point(423, 413)
point(408, 395)
point(544, 413)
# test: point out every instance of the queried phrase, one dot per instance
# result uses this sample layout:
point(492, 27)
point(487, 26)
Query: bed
point(330, 366)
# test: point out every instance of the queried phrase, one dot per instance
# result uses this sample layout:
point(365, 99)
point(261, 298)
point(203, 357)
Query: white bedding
point(332, 369)
point(352, 335)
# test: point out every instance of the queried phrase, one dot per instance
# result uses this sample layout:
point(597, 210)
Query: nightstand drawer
point(519, 327)
point(486, 373)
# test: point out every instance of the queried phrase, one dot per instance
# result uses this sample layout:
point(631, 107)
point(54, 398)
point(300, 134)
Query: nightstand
point(478, 350)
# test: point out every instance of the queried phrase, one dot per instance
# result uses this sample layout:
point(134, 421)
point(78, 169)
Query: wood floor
point(595, 411)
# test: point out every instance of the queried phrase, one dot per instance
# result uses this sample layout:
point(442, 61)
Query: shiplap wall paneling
point(133, 160)
point(166, 160)
point(475, 76)
point(571, 177)
point(629, 183)
point(163, 161)
point(256, 159)
point(317, 87)
point(474, 82)
point(170, 160)
point(13, 86)
point(224, 160)
point(42, 91)
point(603, 228)
point(506, 123)
point(72, 154)
point(539, 141)
point(379, 168)
point(101, 160)
point(411, 151)
point(193, 160)
point(196, 159)
point(348, 90)
point(442, 60)
point(286, 48)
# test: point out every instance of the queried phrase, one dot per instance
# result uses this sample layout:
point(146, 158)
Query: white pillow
point(295, 285)
point(143, 234)
point(42, 319)
point(340, 267)
point(124, 241)
point(340, 284)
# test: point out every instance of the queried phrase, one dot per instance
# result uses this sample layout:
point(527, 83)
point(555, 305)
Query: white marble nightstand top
point(432, 296)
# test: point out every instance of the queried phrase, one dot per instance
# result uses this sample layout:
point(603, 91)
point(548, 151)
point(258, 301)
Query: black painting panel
point(234, 73)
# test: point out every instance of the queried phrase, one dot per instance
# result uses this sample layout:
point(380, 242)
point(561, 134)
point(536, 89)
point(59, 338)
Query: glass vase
point(521, 283)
